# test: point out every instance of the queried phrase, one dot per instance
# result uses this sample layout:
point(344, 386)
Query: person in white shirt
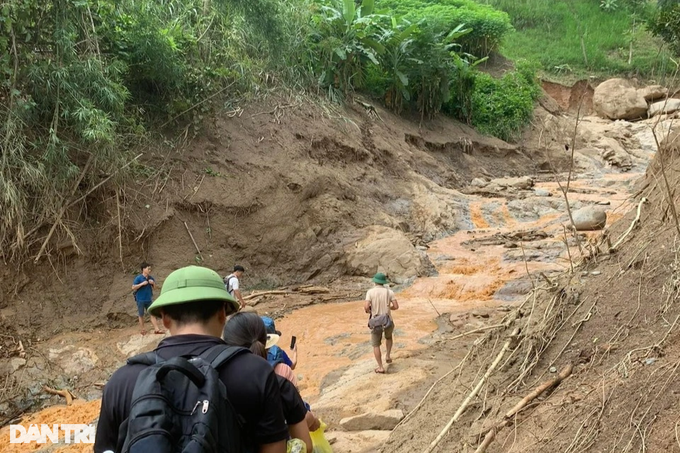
point(379, 303)
point(231, 283)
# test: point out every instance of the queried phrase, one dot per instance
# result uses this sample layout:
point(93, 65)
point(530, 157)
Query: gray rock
point(667, 106)
point(589, 218)
point(542, 193)
point(383, 421)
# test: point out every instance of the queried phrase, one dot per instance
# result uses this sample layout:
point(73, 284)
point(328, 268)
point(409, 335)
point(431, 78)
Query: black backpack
point(181, 405)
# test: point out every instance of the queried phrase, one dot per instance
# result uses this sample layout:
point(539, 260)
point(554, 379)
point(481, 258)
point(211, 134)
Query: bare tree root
point(633, 224)
point(506, 347)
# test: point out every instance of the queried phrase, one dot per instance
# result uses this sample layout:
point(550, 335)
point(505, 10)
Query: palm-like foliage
point(345, 38)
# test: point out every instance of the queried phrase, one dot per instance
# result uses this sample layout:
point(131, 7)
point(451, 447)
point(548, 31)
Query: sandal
point(377, 370)
point(143, 332)
point(159, 332)
point(388, 360)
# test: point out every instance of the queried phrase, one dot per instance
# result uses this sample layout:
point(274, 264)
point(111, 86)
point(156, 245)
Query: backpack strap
point(147, 358)
point(220, 354)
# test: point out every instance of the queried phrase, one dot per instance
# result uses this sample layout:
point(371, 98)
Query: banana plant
point(398, 43)
point(345, 38)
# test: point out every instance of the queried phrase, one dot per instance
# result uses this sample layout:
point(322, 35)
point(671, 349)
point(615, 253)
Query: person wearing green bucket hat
point(379, 303)
point(193, 306)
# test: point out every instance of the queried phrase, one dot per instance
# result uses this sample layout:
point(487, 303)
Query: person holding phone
point(275, 354)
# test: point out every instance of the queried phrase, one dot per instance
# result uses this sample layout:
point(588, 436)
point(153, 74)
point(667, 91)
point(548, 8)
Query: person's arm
point(367, 306)
point(276, 447)
point(152, 282)
point(313, 423)
point(237, 293)
point(301, 431)
point(106, 436)
point(394, 305)
point(136, 286)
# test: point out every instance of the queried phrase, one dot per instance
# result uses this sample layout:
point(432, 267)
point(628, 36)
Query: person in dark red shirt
point(194, 306)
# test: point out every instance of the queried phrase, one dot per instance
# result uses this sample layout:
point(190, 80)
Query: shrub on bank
point(488, 25)
point(502, 107)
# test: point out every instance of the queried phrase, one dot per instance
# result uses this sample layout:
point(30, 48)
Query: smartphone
point(292, 342)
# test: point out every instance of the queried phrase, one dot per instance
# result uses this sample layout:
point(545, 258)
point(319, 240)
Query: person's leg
point(140, 315)
point(156, 328)
point(376, 339)
point(388, 343)
point(154, 320)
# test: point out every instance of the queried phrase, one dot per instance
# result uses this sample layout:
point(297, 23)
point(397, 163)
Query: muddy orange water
point(331, 337)
point(334, 337)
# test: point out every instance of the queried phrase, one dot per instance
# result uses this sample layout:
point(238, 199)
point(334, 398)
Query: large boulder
point(618, 99)
point(589, 218)
point(653, 92)
point(667, 106)
point(382, 249)
point(383, 421)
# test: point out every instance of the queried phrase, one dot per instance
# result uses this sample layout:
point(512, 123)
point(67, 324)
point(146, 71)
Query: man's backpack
point(227, 283)
point(181, 405)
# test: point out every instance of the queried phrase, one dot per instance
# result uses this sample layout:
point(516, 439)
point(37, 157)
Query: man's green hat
point(380, 279)
point(191, 284)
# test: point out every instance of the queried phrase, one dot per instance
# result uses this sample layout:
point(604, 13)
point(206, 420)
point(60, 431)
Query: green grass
point(549, 32)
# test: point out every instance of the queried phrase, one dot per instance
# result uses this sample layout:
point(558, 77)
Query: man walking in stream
point(142, 288)
point(380, 300)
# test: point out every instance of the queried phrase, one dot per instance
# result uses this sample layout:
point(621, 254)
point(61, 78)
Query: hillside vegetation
point(87, 83)
point(577, 38)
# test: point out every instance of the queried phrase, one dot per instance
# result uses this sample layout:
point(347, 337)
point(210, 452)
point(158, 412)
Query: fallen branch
point(474, 392)
point(562, 375)
point(313, 290)
point(63, 393)
point(193, 240)
point(635, 221)
point(470, 332)
point(264, 293)
point(490, 436)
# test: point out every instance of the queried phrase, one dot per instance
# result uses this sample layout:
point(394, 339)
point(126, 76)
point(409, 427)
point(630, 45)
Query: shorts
point(142, 306)
point(376, 335)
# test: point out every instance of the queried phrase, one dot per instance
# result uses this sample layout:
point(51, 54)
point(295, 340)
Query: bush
point(502, 107)
point(488, 25)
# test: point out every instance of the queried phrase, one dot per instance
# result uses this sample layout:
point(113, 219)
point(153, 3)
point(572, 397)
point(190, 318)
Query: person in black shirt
point(247, 330)
point(194, 306)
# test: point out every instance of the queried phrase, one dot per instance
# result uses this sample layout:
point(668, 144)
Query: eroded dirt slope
point(615, 322)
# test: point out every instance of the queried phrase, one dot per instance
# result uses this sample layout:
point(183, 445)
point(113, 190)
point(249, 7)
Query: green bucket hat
point(191, 284)
point(380, 279)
